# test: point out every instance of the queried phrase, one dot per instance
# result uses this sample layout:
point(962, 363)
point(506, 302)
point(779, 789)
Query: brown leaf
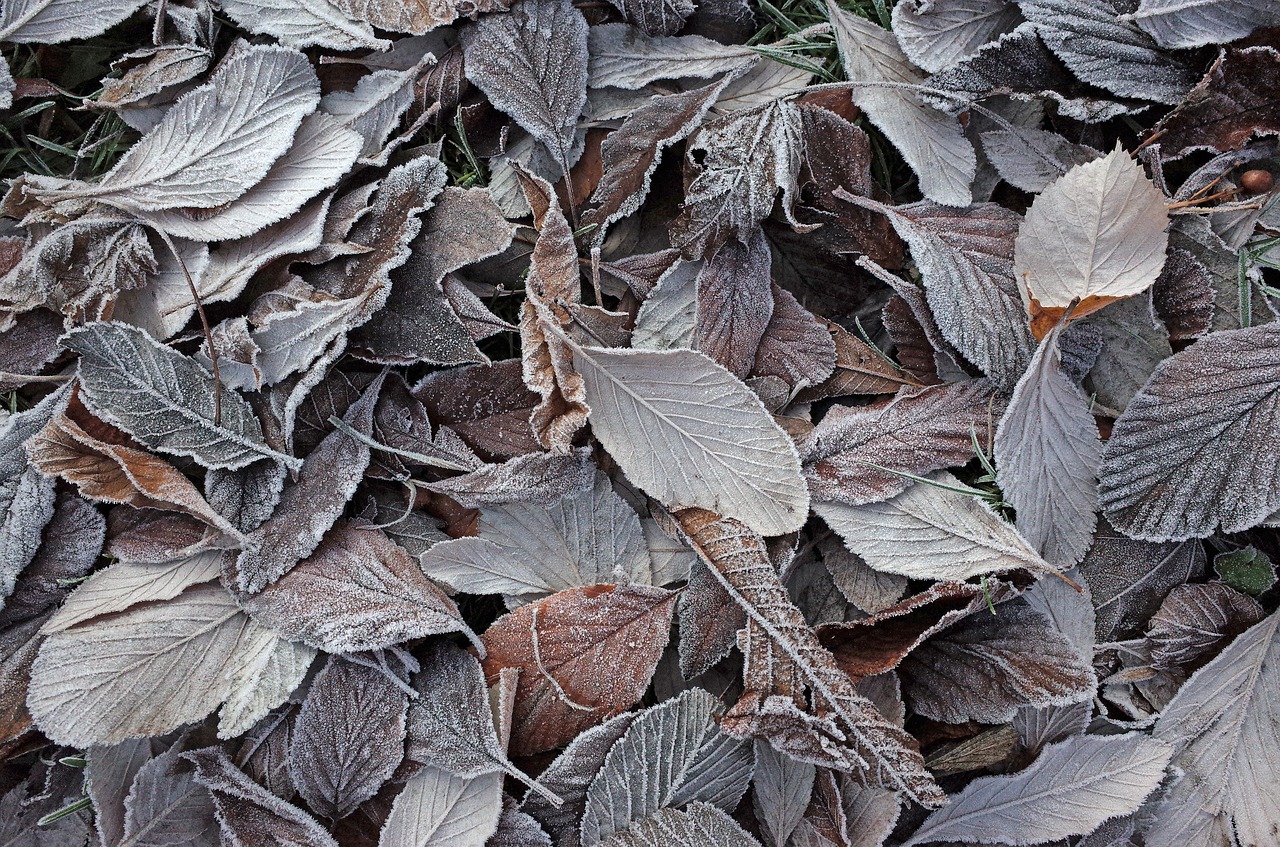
point(487, 405)
point(1184, 296)
point(585, 655)
point(796, 347)
point(859, 369)
point(27, 347)
point(735, 302)
point(1195, 622)
point(109, 466)
point(1230, 105)
point(920, 430)
point(357, 591)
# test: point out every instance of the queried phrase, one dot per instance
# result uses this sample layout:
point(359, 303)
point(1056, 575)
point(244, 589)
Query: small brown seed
point(1256, 181)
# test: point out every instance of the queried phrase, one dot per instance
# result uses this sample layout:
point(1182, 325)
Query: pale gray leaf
point(246, 497)
point(1221, 726)
point(357, 591)
point(1040, 725)
point(263, 684)
point(624, 57)
point(1191, 23)
point(532, 64)
point(1094, 235)
point(27, 513)
point(698, 825)
point(109, 774)
point(517, 829)
point(373, 108)
point(166, 806)
point(933, 143)
point(938, 33)
point(349, 737)
point(1191, 452)
point(438, 809)
point(88, 685)
point(55, 21)
point(165, 399)
point(249, 813)
point(541, 478)
point(1047, 453)
point(870, 590)
point(1134, 343)
point(68, 551)
point(198, 155)
point(1102, 49)
point(1069, 609)
point(232, 264)
point(780, 791)
point(932, 532)
point(164, 305)
point(125, 584)
point(723, 452)
point(673, 754)
point(667, 319)
point(763, 82)
point(1030, 158)
point(1071, 789)
point(303, 24)
point(7, 85)
point(870, 813)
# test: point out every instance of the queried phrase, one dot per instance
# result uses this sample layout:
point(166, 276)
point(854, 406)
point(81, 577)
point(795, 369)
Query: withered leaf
point(1196, 621)
point(918, 431)
point(357, 591)
point(349, 736)
point(584, 654)
point(735, 302)
point(1180, 461)
point(1226, 108)
point(796, 346)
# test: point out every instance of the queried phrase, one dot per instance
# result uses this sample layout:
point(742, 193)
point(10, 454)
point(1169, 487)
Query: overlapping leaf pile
point(532, 424)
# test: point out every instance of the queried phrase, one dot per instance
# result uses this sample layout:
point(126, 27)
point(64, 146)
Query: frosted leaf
point(933, 144)
point(55, 21)
point(697, 825)
point(126, 584)
point(356, 591)
point(780, 789)
point(165, 805)
point(1196, 621)
point(584, 654)
point(918, 431)
point(540, 478)
point(163, 306)
point(735, 302)
point(624, 57)
point(672, 754)
point(1176, 23)
point(1030, 159)
point(667, 319)
point(311, 22)
point(349, 737)
point(1181, 460)
point(762, 83)
point(1134, 343)
point(1047, 453)
point(374, 108)
point(437, 809)
point(1071, 789)
point(655, 17)
point(936, 34)
point(931, 532)
point(732, 456)
point(69, 549)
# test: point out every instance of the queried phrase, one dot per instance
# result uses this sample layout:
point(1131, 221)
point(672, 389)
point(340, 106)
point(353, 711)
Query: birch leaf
point(931, 532)
point(733, 457)
point(196, 156)
point(1072, 788)
point(1047, 453)
point(1093, 236)
point(1188, 453)
point(933, 143)
point(165, 399)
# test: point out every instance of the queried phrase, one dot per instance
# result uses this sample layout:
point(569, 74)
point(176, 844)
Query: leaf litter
point(526, 422)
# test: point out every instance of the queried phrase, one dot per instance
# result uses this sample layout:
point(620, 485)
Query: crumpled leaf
point(933, 143)
point(1093, 236)
point(560, 644)
point(532, 64)
point(1180, 461)
point(673, 754)
point(1218, 725)
point(164, 399)
point(1072, 788)
point(635, 396)
point(349, 737)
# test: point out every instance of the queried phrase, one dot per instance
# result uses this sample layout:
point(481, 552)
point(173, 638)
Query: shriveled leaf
point(164, 399)
point(532, 64)
point(933, 144)
point(1047, 453)
point(437, 809)
point(1219, 725)
point(672, 755)
point(697, 825)
point(738, 460)
point(1188, 453)
point(349, 737)
point(585, 655)
point(88, 685)
point(1093, 236)
point(357, 591)
point(1072, 788)
point(933, 530)
point(249, 813)
point(918, 431)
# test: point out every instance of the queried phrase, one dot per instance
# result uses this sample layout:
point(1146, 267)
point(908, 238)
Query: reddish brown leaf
point(1234, 102)
point(859, 369)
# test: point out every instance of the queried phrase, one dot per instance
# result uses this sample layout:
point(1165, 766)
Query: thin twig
point(204, 322)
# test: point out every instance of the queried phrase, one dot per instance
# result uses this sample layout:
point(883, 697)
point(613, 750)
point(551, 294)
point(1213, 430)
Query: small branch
point(204, 322)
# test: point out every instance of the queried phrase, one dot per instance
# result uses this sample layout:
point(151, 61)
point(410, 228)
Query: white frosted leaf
point(125, 584)
point(933, 143)
point(217, 141)
point(938, 33)
point(1093, 236)
point(373, 108)
point(55, 21)
point(930, 532)
point(1191, 23)
point(88, 685)
point(667, 318)
point(165, 399)
point(1222, 726)
point(698, 825)
point(688, 432)
point(1195, 447)
point(1070, 789)
point(303, 24)
point(624, 57)
point(1047, 453)
point(1030, 158)
point(438, 809)
point(673, 754)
